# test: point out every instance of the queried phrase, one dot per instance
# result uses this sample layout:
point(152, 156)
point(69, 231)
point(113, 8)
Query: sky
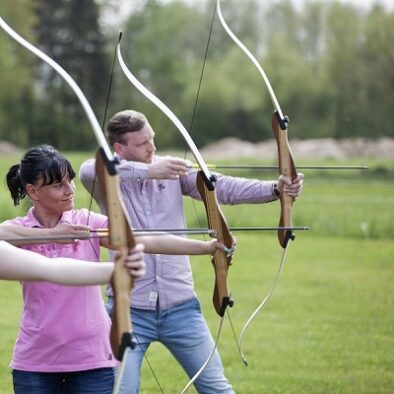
point(389, 4)
point(117, 8)
point(360, 3)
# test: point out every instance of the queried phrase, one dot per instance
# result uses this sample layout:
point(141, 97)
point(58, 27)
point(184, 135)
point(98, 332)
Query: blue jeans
point(94, 381)
point(184, 332)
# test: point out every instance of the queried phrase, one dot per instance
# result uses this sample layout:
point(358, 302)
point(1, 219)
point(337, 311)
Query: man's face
point(138, 146)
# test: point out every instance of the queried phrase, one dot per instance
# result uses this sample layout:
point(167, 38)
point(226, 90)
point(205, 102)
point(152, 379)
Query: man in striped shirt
point(164, 306)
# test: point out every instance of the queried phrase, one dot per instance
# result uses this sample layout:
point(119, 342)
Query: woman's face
point(56, 198)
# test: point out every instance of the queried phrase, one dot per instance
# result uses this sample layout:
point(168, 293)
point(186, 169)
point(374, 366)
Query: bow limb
point(167, 111)
point(84, 102)
point(120, 235)
point(252, 58)
point(206, 186)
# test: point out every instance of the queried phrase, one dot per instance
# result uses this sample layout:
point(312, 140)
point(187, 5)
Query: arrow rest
point(109, 164)
point(283, 122)
point(209, 182)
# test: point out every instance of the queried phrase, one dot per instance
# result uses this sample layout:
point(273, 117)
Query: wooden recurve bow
point(120, 234)
point(206, 186)
point(205, 183)
point(286, 167)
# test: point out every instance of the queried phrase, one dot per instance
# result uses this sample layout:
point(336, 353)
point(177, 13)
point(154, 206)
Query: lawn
point(328, 327)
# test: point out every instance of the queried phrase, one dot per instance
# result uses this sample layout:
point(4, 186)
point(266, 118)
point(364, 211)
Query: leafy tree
point(376, 99)
point(329, 63)
point(16, 74)
point(69, 32)
point(163, 56)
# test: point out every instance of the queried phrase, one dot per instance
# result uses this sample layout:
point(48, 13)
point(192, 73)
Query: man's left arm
point(237, 190)
point(233, 190)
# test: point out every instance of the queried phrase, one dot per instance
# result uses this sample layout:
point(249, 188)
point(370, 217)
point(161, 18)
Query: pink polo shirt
point(63, 328)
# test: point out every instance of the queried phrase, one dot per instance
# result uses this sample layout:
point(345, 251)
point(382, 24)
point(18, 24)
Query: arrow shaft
point(268, 167)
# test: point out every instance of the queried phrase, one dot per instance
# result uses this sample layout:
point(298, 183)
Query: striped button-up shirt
point(158, 203)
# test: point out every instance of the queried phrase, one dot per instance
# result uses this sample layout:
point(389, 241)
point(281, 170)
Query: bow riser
point(221, 263)
point(286, 168)
point(121, 239)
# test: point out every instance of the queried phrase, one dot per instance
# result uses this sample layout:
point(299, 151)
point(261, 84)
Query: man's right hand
point(168, 168)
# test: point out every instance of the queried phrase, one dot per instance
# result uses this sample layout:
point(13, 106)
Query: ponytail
point(15, 185)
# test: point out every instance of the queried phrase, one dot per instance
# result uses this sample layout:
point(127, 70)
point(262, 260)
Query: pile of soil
point(326, 148)
point(6, 148)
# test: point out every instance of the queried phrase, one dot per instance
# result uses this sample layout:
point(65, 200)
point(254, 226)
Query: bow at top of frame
point(206, 187)
point(279, 127)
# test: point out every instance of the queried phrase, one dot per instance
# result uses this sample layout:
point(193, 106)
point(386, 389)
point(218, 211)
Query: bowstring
point(187, 150)
point(261, 306)
point(208, 360)
point(122, 368)
point(102, 127)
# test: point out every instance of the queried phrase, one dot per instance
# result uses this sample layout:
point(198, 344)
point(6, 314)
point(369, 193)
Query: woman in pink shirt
point(63, 341)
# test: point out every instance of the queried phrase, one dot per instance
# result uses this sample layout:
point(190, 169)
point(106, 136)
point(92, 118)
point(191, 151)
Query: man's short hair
point(124, 122)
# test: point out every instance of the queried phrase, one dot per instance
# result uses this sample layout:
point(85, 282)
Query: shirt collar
point(31, 220)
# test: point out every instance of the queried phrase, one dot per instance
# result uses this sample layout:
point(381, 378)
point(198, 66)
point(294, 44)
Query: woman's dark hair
point(41, 162)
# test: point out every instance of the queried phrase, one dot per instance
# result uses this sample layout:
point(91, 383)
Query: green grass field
point(328, 327)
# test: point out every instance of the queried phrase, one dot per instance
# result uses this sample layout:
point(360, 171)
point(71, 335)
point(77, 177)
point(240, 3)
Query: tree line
point(331, 65)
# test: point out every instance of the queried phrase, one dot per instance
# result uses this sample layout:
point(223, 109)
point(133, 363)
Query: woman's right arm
point(20, 264)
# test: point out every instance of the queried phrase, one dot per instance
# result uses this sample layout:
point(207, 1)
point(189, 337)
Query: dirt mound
point(7, 148)
point(326, 148)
